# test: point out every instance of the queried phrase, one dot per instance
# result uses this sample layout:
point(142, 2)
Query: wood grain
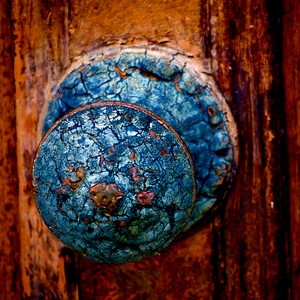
point(291, 71)
point(40, 56)
point(246, 59)
point(240, 253)
point(182, 271)
point(99, 23)
point(10, 286)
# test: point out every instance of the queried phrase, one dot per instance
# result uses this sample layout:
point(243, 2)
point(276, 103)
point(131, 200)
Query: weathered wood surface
point(10, 285)
point(242, 252)
point(41, 53)
point(291, 71)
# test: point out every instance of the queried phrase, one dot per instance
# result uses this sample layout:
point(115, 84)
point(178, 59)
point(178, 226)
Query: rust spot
point(153, 134)
point(85, 221)
point(211, 111)
point(61, 190)
point(73, 183)
point(145, 197)
point(105, 195)
point(35, 188)
point(80, 172)
point(123, 223)
point(135, 177)
point(178, 89)
point(102, 159)
point(59, 208)
point(132, 155)
point(164, 152)
point(220, 182)
point(144, 73)
point(133, 171)
point(124, 75)
point(91, 116)
point(214, 126)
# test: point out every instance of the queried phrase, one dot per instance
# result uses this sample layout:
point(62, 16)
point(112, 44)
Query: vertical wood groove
point(250, 32)
point(10, 285)
point(41, 54)
point(291, 71)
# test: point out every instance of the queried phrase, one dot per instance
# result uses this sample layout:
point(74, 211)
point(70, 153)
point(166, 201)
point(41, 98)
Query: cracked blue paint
point(114, 182)
point(171, 91)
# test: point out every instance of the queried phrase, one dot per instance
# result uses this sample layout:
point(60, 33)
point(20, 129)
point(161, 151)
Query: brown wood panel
point(241, 252)
point(182, 271)
point(41, 54)
point(291, 69)
point(247, 53)
point(10, 286)
point(168, 22)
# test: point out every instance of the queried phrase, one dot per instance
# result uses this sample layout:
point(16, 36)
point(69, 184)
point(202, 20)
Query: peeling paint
point(110, 201)
point(175, 88)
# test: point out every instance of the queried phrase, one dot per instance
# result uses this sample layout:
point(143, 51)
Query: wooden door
point(249, 249)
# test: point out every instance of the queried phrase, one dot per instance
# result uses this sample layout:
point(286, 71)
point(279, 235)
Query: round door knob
point(138, 145)
point(114, 182)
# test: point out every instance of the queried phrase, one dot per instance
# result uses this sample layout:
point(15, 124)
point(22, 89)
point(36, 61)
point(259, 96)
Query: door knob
point(138, 143)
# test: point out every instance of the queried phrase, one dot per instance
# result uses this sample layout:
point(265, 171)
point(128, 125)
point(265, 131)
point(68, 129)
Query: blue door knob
point(114, 181)
point(137, 146)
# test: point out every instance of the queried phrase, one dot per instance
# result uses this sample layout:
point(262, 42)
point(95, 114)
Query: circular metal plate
point(114, 182)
